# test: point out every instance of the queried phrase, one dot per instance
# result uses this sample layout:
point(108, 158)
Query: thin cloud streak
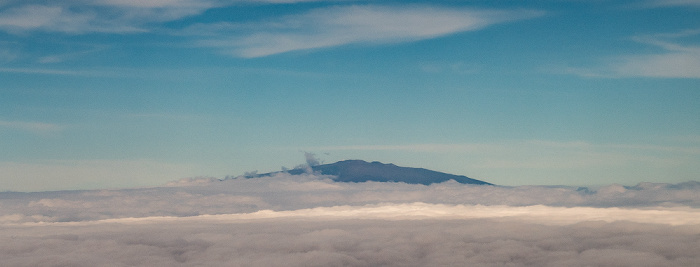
point(673, 3)
point(671, 65)
point(58, 58)
point(337, 26)
point(35, 127)
point(46, 71)
point(677, 61)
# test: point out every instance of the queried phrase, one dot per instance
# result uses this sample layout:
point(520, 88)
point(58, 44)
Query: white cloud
point(335, 26)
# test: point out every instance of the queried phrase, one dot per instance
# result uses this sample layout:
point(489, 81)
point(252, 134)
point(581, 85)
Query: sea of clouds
point(310, 220)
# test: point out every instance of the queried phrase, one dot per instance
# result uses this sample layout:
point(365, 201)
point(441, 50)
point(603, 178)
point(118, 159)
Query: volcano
point(362, 171)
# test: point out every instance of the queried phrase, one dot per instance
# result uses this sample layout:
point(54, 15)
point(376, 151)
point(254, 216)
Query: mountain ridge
point(362, 171)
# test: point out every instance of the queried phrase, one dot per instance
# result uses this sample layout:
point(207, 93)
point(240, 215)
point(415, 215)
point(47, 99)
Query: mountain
point(362, 171)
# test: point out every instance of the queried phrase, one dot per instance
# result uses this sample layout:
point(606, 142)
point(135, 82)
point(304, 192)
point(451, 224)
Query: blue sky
point(126, 93)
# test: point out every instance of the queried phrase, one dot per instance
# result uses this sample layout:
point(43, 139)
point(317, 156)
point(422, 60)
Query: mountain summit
point(362, 171)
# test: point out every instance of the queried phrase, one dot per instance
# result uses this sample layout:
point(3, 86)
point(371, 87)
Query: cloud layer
point(309, 220)
point(201, 196)
point(349, 242)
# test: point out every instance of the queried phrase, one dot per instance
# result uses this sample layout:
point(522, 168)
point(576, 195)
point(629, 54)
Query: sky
point(124, 93)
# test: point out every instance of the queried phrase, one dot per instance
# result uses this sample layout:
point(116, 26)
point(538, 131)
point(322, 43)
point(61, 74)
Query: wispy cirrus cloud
point(319, 28)
point(109, 16)
point(671, 3)
point(48, 71)
point(342, 25)
point(55, 18)
point(155, 3)
point(30, 126)
point(57, 58)
point(106, 16)
point(673, 65)
point(676, 59)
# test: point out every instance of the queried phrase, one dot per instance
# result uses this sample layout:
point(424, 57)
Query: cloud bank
point(309, 220)
point(355, 242)
point(284, 192)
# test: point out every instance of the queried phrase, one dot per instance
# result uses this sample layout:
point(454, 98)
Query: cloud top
point(310, 220)
point(420, 211)
point(284, 192)
point(350, 242)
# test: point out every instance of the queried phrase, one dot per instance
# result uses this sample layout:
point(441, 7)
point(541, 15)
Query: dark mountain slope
point(362, 171)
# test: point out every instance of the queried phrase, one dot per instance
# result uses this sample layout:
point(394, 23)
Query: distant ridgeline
point(362, 171)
